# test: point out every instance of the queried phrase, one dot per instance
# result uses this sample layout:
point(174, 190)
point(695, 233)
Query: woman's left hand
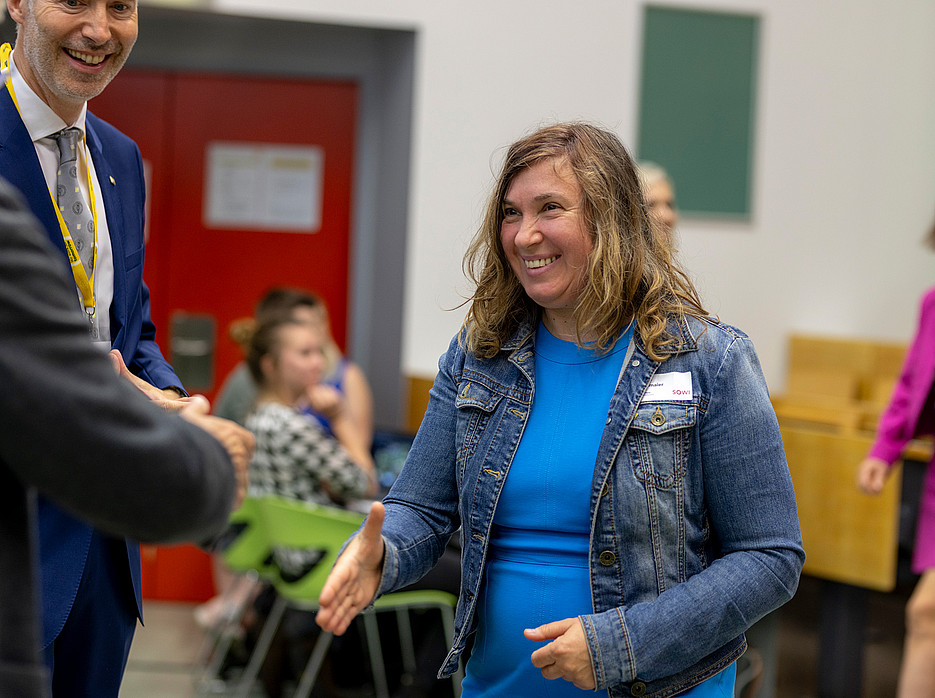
point(567, 656)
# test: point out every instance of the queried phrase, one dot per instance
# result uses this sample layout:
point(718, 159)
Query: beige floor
point(162, 659)
point(163, 653)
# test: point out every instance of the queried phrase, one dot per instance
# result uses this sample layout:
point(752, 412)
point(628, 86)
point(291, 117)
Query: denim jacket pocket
point(660, 441)
point(475, 404)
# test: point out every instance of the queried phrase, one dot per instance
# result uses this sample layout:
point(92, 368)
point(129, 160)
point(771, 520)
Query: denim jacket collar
point(522, 341)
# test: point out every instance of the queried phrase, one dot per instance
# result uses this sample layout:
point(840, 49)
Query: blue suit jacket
point(64, 540)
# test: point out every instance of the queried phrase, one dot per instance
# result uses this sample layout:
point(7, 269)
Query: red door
point(200, 269)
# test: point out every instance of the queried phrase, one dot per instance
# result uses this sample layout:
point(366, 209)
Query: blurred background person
point(911, 413)
point(342, 380)
point(339, 391)
point(295, 457)
point(659, 196)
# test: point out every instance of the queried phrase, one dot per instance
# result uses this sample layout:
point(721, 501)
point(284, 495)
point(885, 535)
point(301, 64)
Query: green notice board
point(697, 101)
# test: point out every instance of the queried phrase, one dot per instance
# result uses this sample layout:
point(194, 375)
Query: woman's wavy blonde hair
point(631, 273)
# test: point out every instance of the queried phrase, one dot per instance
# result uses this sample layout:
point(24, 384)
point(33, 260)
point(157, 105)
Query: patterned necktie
point(71, 203)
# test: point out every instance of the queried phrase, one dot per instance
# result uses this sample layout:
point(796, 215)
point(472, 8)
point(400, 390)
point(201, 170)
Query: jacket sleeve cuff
point(886, 452)
point(612, 657)
point(390, 569)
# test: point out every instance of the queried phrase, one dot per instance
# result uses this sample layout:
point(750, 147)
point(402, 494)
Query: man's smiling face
point(72, 48)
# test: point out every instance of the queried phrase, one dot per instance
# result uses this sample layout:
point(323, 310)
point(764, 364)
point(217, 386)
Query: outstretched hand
point(355, 578)
point(567, 656)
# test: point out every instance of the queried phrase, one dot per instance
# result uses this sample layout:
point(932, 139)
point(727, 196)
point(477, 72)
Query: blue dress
point(537, 565)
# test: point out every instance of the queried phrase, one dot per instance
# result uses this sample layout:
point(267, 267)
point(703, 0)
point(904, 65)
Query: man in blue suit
point(65, 54)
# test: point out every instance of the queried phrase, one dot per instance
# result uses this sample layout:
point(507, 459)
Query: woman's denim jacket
point(694, 531)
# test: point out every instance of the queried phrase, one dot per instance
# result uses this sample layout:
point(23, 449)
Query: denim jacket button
point(637, 688)
point(607, 558)
point(604, 490)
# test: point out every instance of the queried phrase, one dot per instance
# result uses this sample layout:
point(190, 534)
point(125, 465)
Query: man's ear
point(15, 8)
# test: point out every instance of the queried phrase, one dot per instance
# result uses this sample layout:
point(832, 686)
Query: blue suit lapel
point(19, 164)
point(107, 182)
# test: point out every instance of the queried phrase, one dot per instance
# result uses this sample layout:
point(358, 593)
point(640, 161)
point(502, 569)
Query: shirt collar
point(40, 120)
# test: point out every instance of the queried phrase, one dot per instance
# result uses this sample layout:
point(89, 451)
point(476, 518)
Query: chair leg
point(376, 655)
point(263, 643)
point(406, 646)
point(218, 640)
point(212, 660)
point(314, 665)
point(211, 655)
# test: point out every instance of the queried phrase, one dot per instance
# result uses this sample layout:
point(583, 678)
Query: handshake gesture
point(237, 441)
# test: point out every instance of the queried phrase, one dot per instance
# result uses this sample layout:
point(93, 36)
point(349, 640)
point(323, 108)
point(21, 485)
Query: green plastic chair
point(304, 540)
point(249, 550)
point(245, 551)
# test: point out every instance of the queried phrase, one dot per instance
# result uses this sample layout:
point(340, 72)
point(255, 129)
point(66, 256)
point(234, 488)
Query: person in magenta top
point(911, 413)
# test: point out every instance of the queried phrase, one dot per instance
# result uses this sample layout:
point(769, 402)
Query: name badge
point(669, 386)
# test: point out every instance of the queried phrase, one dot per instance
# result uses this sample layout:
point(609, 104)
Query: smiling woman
point(607, 451)
point(629, 274)
point(70, 52)
point(545, 240)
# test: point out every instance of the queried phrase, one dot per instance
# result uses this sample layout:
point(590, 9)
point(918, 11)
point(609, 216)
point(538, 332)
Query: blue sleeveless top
point(537, 564)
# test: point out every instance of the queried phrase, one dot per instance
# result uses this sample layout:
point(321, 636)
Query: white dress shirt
point(42, 123)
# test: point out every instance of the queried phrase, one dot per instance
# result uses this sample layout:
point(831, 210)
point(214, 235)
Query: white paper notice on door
point(263, 186)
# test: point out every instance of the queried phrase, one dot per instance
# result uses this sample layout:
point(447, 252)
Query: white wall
point(844, 178)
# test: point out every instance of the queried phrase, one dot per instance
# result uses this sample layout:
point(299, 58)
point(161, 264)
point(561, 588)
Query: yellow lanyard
point(82, 281)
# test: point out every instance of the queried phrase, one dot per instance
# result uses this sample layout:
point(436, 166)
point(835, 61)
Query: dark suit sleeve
point(71, 428)
point(147, 361)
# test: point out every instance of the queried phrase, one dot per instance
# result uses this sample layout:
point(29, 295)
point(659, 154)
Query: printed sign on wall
point(259, 186)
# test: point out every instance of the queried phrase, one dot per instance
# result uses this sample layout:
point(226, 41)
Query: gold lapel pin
point(112, 181)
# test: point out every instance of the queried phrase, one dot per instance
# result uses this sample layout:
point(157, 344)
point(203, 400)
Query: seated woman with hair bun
point(295, 458)
point(343, 382)
point(316, 457)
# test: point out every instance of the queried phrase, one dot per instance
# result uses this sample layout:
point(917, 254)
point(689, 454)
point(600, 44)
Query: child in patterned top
point(295, 458)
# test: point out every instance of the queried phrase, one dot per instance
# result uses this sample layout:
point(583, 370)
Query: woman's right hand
point(325, 400)
point(355, 578)
point(872, 474)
